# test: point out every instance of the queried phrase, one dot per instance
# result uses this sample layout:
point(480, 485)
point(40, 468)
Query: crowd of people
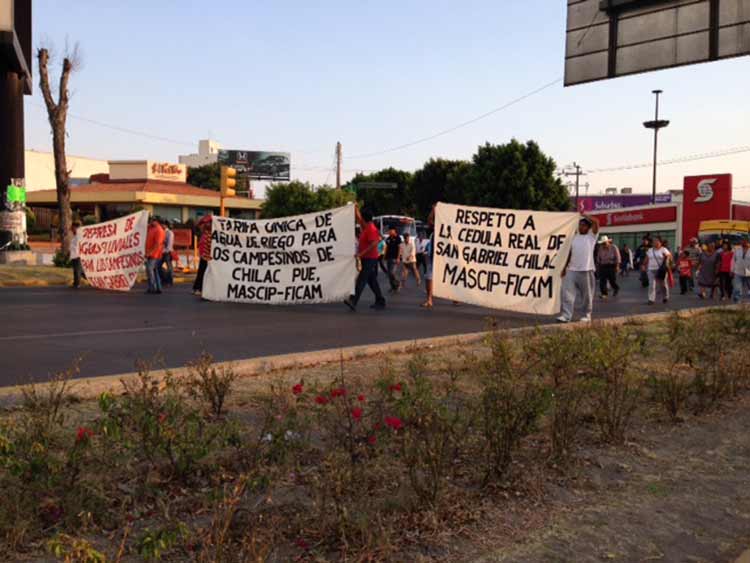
point(707, 270)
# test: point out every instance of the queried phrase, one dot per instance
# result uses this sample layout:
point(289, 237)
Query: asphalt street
point(45, 329)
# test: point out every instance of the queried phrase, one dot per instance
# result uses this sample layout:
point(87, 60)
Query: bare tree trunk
point(57, 112)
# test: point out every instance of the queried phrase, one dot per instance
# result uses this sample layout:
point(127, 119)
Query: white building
point(40, 169)
point(208, 153)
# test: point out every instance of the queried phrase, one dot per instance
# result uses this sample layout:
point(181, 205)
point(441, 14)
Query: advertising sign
point(299, 259)
point(638, 216)
point(592, 204)
point(112, 252)
point(257, 165)
point(502, 258)
point(705, 198)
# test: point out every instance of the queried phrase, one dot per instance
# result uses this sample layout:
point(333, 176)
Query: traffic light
point(228, 182)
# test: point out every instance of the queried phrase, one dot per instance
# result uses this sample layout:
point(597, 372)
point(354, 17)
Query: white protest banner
point(300, 259)
point(112, 252)
point(501, 258)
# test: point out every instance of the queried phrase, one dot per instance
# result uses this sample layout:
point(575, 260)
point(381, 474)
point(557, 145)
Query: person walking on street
point(708, 270)
point(408, 256)
point(578, 273)
point(741, 280)
point(167, 276)
point(640, 257)
point(694, 254)
point(367, 252)
point(657, 266)
point(429, 256)
point(726, 267)
point(75, 256)
point(627, 261)
point(154, 252)
point(685, 268)
point(608, 261)
point(204, 252)
point(392, 253)
point(421, 243)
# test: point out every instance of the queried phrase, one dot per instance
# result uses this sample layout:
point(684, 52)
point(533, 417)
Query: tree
point(435, 182)
point(386, 202)
point(207, 176)
point(297, 198)
point(514, 176)
point(57, 113)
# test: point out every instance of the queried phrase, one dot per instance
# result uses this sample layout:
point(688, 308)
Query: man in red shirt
point(154, 250)
point(367, 252)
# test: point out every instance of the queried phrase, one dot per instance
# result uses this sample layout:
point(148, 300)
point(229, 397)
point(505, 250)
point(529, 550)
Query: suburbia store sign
point(638, 216)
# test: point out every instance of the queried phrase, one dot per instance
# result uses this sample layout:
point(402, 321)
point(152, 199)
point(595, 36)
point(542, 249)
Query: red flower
point(302, 544)
point(321, 400)
point(361, 398)
point(340, 392)
point(394, 422)
point(357, 414)
point(377, 426)
point(396, 387)
point(84, 434)
point(162, 417)
point(297, 389)
point(372, 440)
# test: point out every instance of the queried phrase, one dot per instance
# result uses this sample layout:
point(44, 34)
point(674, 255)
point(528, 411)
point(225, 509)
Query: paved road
point(44, 329)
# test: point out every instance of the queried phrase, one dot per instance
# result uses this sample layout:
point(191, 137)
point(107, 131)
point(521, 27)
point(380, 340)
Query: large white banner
point(501, 258)
point(300, 259)
point(112, 253)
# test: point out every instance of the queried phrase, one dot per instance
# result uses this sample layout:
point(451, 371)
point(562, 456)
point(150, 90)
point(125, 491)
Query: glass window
point(168, 212)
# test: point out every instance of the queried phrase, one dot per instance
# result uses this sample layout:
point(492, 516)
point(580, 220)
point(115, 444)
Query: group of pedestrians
point(399, 253)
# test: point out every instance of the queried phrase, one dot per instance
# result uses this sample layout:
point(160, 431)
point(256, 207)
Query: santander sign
point(705, 190)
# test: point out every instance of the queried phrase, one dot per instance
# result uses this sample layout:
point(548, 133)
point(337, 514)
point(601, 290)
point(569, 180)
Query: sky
point(300, 75)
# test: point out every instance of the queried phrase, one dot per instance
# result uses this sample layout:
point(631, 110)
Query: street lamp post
point(656, 124)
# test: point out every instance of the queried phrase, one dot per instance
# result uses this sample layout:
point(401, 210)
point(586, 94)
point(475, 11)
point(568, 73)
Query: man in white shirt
point(578, 273)
point(75, 257)
point(408, 258)
point(167, 277)
point(741, 269)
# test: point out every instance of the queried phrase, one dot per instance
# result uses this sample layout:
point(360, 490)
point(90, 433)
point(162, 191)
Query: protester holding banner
point(75, 256)
point(369, 239)
point(154, 253)
point(578, 274)
point(204, 252)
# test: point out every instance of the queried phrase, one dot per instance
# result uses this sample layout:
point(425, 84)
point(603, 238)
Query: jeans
point(577, 284)
point(685, 284)
point(152, 271)
point(741, 286)
point(77, 271)
point(198, 283)
point(393, 274)
point(655, 286)
point(608, 273)
point(167, 277)
point(368, 275)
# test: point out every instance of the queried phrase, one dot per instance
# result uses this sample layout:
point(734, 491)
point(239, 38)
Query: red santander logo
point(705, 190)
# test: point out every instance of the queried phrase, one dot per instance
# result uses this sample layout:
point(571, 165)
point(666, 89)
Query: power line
point(677, 160)
point(460, 125)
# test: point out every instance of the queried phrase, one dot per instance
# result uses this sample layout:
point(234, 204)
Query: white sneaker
point(586, 319)
point(562, 319)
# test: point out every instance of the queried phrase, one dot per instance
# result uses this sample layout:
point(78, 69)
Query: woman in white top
point(657, 265)
point(408, 257)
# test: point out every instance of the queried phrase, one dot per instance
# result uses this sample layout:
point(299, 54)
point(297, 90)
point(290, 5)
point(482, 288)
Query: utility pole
point(338, 166)
point(578, 173)
point(656, 124)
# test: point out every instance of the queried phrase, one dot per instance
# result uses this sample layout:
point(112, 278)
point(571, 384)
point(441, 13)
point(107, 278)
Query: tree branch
point(43, 56)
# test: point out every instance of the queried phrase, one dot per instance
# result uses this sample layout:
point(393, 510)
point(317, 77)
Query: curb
point(93, 386)
point(63, 283)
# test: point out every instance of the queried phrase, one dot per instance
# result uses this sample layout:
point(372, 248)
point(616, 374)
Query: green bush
point(61, 259)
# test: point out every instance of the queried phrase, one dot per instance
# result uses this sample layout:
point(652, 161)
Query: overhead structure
point(15, 82)
point(611, 38)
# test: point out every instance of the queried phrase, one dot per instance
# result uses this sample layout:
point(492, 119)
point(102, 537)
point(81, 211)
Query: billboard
point(587, 204)
point(610, 38)
point(705, 198)
point(257, 165)
point(639, 216)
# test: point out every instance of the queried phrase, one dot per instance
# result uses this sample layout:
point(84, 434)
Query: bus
point(718, 231)
point(400, 223)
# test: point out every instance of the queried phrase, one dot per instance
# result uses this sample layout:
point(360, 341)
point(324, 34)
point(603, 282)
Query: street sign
point(377, 186)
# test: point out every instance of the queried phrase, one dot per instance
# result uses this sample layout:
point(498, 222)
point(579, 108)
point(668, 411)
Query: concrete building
point(40, 169)
point(208, 153)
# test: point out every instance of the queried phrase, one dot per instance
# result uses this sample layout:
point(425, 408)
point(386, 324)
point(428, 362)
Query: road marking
point(83, 333)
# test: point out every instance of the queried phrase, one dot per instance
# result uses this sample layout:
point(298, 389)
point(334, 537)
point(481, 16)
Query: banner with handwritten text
point(501, 258)
point(300, 259)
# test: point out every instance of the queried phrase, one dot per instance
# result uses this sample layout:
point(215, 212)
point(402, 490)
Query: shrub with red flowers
point(83, 435)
